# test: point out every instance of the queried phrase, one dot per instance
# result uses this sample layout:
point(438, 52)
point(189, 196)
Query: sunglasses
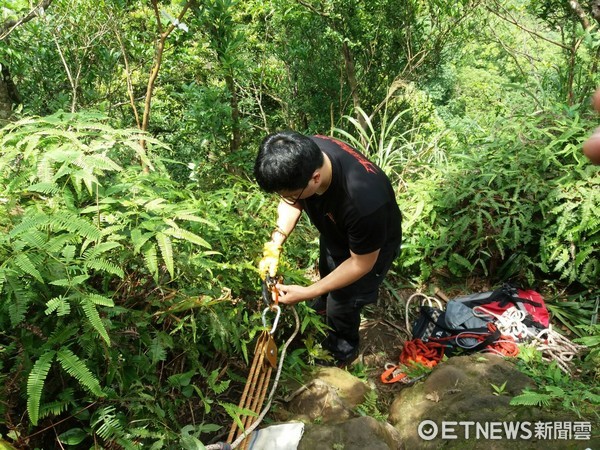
point(292, 200)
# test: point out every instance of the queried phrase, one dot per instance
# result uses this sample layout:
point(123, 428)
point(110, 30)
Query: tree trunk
point(9, 95)
point(236, 139)
point(351, 75)
point(5, 103)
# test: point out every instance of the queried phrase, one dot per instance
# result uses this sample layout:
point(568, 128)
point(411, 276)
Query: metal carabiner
point(264, 317)
point(268, 289)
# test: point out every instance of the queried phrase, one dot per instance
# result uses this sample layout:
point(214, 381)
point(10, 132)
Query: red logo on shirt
point(368, 165)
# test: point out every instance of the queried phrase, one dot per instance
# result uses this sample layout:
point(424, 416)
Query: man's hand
point(292, 294)
point(268, 264)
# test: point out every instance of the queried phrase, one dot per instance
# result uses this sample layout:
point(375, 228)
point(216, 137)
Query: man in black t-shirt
point(352, 204)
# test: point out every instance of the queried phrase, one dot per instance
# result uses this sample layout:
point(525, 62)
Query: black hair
point(286, 161)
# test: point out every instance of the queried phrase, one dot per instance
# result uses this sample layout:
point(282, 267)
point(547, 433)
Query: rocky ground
point(455, 406)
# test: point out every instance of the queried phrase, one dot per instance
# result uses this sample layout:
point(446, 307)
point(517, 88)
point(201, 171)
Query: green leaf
point(77, 368)
point(166, 250)
point(151, 260)
point(74, 436)
point(180, 233)
point(89, 308)
point(58, 304)
point(35, 384)
point(25, 264)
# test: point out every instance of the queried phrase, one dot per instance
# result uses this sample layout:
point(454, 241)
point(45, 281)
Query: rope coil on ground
point(556, 347)
point(426, 299)
point(553, 346)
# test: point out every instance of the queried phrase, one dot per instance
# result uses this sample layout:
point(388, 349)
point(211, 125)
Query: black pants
point(343, 307)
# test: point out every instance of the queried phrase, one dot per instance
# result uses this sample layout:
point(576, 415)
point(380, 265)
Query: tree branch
point(7, 27)
point(578, 10)
point(518, 25)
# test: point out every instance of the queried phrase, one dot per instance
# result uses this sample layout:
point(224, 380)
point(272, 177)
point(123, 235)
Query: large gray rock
point(360, 433)
point(457, 390)
point(460, 390)
point(330, 396)
point(327, 404)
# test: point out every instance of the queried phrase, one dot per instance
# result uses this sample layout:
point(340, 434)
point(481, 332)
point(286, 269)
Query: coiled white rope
point(552, 345)
point(426, 300)
point(555, 347)
point(510, 322)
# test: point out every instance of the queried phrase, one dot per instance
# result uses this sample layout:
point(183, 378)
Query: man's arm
point(346, 273)
point(287, 218)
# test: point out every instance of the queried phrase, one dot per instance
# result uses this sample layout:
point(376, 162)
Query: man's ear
point(316, 176)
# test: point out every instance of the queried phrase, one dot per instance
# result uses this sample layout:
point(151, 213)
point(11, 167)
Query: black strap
point(490, 339)
point(440, 322)
point(505, 295)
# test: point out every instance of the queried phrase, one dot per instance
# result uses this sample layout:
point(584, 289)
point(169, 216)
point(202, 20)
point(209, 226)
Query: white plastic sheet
point(285, 436)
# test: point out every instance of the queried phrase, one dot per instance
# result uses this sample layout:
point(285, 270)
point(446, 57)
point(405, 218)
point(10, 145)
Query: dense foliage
point(130, 224)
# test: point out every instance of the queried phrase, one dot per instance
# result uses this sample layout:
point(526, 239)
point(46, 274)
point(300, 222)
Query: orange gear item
point(416, 351)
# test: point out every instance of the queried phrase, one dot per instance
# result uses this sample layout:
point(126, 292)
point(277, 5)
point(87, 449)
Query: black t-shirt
point(358, 212)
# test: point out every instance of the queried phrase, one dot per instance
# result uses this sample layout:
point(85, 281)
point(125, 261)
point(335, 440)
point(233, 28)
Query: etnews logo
point(428, 430)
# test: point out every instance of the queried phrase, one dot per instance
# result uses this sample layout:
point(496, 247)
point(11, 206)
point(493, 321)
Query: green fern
point(109, 425)
point(21, 297)
point(103, 265)
point(77, 368)
point(531, 398)
point(58, 304)
point(235, 412)
point(88, 304)
point(166, 250)
point(151, 260)
point(35, 384)
point(66, 221)
point(180, 233)
point(99, 249)
point(139, 239)
point(58, 406)
point(23, 262)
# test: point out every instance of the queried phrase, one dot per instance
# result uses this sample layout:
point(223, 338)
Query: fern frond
point(68, 251)
point(64, 221)
point(157, 350)
point(77, 369)
point(55, 408)
point(156, 204)
point(103, 247)
point(105, 266)
point(235, 412)
point(23, 262)
point(139, 239)
point(74, 224)
point(110, 426)
point(530, 398)
point(151, 260)
point(34, 238)
point(90, 311)
point(97, 299)
point(58, 304)
point(180, 233)
point(44, 188)
point(166, 250)
point(21, 298)
point(187, 215)
point(99, 162)
point(35, 384)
